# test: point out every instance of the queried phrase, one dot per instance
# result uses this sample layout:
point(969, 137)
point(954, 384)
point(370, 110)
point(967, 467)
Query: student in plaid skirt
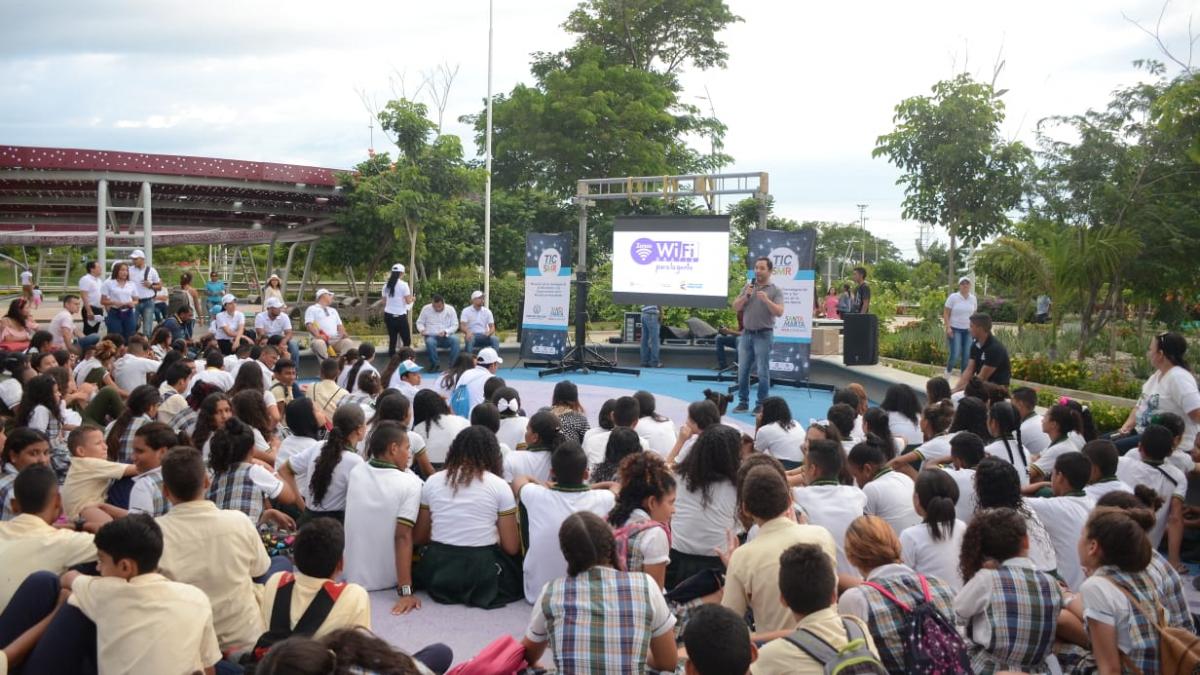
point(150, 443)
point(1010, 608)
point(599, 619)
point(873, 548)
point(642, 515)
point(238, 484)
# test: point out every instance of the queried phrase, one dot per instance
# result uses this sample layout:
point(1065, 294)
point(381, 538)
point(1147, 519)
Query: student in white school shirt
point(132, 370)
point(706, 503)
point(658, 430)
point(778, 434)
point(545, 507)
point(625, 413)
point(825, 501)
point(542, 435)
point(1155, 445)
point(329, 464)
point(889, 493)
point(904, 413)
point(1004, 424)
point(1034, 437)
point(1105, 460)
point(1065, 513)
point(966, 451)
point(1180, 457)
point(512, 421)
point(382, 503)
point(932, 547)
point(1062, 424)
point(435, 423)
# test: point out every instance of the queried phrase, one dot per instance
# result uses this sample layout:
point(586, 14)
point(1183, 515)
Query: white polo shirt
point(698, 528)
point(394, 304)
point(967, 499)
point(467, 517)
point(335, 495)
point(379, 499)
point(440, 434)
point(1045, 461)
point(1064, 518)
point(89, 288)
point(265, 325)
point(781, 443)
point(532, 463)
point(326, 318)
point(226, 325)
point(546, 509)
point(932, 558)
point(1033, 437)
point(935, 448)
point(130, 371)
point(833, 507)
point(902, 427)
point(478, 320)
point(1020, 457)
point(63, 319)
point(137, 276)
point(659, 436)
point(1167, 480)
point(890, 496)
point(119, 293)
point(961, 309)
point(596, 445)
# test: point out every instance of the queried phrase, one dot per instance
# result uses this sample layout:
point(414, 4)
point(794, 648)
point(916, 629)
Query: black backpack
point(281, 611)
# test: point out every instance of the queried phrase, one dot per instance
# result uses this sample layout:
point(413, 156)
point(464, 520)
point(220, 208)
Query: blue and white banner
point(547, 297)
point(791, 255)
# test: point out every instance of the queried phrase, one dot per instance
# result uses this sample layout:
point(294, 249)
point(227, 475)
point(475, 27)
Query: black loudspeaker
point(860, 339)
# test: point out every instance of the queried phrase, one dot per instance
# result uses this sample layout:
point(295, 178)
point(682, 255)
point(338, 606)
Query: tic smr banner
point(547, 296)
point(791, 255)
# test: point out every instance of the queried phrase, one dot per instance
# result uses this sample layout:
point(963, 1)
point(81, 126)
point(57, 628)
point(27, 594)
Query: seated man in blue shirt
point(181, 325)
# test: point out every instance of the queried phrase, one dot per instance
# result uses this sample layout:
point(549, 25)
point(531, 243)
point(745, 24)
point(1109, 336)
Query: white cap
point(964, 280)
point(487, 356)
point(324, 291)
point(409, 366)
point(274, 303)
point(398, 268)
point(477, 294)
point(227, 298)
point(137, 253)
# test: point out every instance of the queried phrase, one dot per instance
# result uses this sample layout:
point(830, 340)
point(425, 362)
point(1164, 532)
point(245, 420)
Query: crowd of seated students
point(641, 545)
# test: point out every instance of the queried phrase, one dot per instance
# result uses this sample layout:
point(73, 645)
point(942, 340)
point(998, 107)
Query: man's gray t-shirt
point(756, 315)
point(1043, 304)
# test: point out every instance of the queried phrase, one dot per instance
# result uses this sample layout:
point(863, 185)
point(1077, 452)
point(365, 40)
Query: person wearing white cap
point(478, 325)
point(324, 324)
point(273, 321)
point(229, 325)
point(407, 379)
point(486, 364)
point(397, 298)
point(119, 298)
point(957, 316)
point(145, 280)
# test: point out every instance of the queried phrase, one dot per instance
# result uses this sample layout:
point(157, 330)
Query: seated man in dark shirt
point(989, 359)
point(180, 325)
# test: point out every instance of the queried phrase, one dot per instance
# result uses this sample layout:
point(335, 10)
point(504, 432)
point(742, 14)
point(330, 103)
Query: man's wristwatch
point(79, 523)
point(404, 590)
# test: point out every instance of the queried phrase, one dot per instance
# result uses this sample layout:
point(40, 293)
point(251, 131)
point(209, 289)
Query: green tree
point(1021, 266)
point(958, 172)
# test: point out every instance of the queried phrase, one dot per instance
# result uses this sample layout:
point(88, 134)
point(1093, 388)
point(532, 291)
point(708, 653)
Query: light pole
point(487, 190)
point(862, 224)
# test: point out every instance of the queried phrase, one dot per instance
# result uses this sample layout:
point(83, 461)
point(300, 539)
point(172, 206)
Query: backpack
point(281, 613)
point(1178, 648)
point(460, 401)
point(623, 534)
point(932, 644)
point(504, 656)
point(853, 659)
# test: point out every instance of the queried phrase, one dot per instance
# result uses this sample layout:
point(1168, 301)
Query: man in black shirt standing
point(862, 292)
point(989, 359)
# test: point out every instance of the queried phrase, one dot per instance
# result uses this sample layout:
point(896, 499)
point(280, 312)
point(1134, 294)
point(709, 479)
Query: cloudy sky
point(808, 88)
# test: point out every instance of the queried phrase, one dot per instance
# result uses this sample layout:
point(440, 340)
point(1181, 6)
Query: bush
point(923, 342)
point(1116, 383)
point(1067, 374)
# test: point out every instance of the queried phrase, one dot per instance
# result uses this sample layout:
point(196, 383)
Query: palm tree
point(1020, 265)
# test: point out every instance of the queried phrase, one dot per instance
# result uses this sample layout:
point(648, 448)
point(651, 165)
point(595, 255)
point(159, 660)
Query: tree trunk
point(952, 263)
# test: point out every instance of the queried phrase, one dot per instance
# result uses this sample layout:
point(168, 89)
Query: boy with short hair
point(284, 389)
point(752, 574)
point(1033, 437)
point(217, 550)
point(318, 555)
point(326, 392)
point(889, 492)
point(23, 447)
point(825, 501)
point(214, 371)
point(134, 368)
point(842, 416)
point(172, 390)
point(1151, 468)
point(172, 622)
point(717, 642)
point(545, 508)
point(808, 587)
point(84, 490)
point(150, 442)
point(30, 542)
point(625, 413)
point(1065, 514)
point(966, 452)
point(1105, 458)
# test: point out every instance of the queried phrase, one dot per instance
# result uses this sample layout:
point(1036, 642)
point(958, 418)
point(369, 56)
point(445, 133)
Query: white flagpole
point(487, 192)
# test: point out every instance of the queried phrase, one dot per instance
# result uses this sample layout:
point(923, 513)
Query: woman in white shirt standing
point(436, 424)
point(229, 325)
point(956, 314)
point(396, 299)
point(705, 503)
point(468, 518)
point(328, 466)
point(904, 413)
point(659, 431)
point(932, 547)
point(778, 435)
point(118, 295)
point(1171, 388)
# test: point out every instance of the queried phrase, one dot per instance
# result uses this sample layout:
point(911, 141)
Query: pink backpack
point(628, 531)
point(504, 656)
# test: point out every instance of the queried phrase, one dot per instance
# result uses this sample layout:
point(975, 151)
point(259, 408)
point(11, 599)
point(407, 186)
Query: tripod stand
point(582, 358)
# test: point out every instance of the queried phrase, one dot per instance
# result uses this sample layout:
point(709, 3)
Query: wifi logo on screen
point(643, 251)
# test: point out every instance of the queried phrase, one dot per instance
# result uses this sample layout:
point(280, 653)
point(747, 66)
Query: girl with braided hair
point(1064, 422)
point(642, 515)
point(997, 485)
point(468, 519)
point(1004, 424)
point(328, 466)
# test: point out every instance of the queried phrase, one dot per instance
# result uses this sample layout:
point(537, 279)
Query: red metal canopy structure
point(72, 197)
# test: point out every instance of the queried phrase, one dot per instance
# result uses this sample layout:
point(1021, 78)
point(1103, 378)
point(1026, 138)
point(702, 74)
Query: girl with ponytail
point(328, 465)
point(932, 547)
point(142, 407)
point(642, 515)
point(542, 435)
point(1004, 425)
point(1059, 422)
point(238, 483)
point(468, 518)
point(357, 361)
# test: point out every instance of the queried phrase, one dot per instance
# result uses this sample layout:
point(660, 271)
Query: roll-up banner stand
point(791, 255)
point(547, 297)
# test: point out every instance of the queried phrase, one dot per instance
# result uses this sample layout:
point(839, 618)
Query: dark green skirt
point(684, 565)
point(475, 576)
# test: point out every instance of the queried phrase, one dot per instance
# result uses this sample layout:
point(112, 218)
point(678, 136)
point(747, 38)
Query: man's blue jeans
point(754, 353)
point(650, 339)
point(958, 347)
point(479, 341)
point(145, 310)
point(723, 341)
point(433, 342)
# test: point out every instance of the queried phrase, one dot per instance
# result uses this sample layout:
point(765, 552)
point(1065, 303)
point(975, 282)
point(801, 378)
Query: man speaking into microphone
point(759, 302)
